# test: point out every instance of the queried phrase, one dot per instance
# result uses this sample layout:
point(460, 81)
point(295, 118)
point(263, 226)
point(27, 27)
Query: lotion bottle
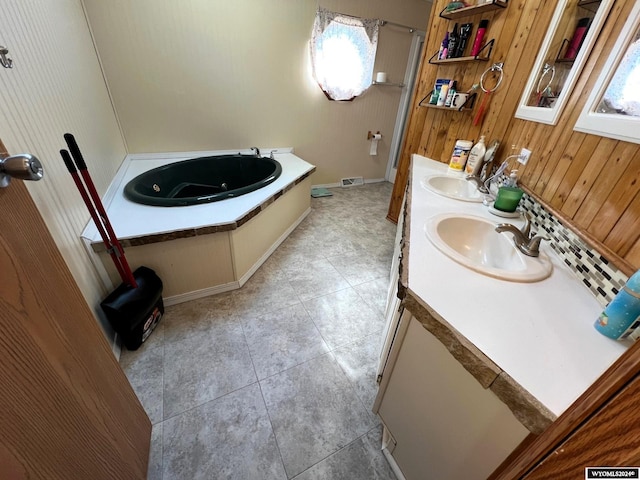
point(476, 157)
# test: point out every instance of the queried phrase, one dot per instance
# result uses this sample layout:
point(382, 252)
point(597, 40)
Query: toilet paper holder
point(370, 134)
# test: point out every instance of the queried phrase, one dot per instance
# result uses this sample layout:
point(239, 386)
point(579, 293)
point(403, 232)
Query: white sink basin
point(473, 242)
point(452, 187)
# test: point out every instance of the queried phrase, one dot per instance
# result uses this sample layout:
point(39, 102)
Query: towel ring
point(545, 70)
point(496, 67)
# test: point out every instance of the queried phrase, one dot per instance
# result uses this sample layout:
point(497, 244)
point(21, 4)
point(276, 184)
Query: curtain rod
point(385, 22)
point(411, 29)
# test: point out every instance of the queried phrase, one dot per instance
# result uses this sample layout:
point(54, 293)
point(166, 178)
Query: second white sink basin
point(452, 187)
point(473, 242)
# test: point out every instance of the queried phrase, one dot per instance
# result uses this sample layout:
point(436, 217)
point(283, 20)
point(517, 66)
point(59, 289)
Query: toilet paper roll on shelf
point(381, 77)
point(375, 138)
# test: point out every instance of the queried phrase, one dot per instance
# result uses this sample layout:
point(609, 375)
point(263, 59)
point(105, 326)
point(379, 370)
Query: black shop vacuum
point(135, 307)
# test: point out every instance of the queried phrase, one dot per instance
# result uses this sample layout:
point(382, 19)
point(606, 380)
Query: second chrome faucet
point(522, 238)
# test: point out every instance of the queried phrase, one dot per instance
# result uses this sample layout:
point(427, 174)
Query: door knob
point(23, 166)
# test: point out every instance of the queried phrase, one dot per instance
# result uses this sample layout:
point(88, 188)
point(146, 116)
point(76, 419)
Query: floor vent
point(351, 181)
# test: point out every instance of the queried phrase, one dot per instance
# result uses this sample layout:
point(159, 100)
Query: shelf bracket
point(488, 44)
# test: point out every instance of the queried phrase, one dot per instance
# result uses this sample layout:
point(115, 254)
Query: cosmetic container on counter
point(460, 155)
point(621, 318)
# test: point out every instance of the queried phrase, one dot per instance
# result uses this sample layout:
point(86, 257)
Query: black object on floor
point(135, 307)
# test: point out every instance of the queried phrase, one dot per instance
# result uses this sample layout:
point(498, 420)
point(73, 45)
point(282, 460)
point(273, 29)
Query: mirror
point(573, 30)
point(613, 108)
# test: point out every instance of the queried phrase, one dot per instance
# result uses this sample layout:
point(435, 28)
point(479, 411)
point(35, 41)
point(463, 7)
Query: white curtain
point(622, 95)
point(343, 51)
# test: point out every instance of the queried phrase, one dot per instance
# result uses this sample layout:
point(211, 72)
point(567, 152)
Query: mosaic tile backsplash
point(603, 279)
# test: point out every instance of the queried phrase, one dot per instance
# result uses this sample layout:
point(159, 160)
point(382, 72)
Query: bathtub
point(205, 248)
point(202, 180)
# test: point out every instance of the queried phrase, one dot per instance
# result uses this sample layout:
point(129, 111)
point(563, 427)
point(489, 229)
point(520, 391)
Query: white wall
point(56, 86)
point(214, 74)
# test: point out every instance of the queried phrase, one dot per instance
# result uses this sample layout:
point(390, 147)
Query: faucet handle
point(526, 228)
point(533, 247)
point(478, 182)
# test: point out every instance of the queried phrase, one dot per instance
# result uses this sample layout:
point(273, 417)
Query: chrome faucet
point(256, 151)
point(479, 181)
point(483, 181)
point(522, 238)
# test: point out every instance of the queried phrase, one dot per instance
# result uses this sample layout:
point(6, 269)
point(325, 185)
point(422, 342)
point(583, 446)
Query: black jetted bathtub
point(202, 180)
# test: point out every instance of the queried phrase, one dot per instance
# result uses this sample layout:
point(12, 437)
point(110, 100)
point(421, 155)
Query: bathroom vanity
point(473, 364)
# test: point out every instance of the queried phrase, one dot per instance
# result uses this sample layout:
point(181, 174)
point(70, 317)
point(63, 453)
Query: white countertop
point(130, 219)
point(541, 334)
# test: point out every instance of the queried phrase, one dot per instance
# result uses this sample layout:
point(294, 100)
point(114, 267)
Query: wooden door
point(67, 410)
point(611, 437)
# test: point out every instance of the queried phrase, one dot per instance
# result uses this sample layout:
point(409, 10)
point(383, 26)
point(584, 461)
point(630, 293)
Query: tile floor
point(276, 380)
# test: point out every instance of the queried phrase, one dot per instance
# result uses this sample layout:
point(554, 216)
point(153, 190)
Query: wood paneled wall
point(589, 182)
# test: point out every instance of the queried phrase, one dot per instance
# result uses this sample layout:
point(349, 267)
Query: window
point(622, 95)
point(613, 108)
point(343, 51)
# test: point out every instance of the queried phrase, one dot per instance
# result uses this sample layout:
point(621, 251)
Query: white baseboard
point(338, 184)
point(392, 463)
point(204, 292)
point(242, 280)
point(326, 185)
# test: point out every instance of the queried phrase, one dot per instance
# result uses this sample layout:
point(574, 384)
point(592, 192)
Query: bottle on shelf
point(452, 48)
point(577, 39)
point(450, 93)
point(465, 33)
point(442, 98)
point(477, 43)
point(444, 48)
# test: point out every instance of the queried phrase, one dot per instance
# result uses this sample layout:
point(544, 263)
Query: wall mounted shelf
point(474, 10)
point(476, 58)
point(590, 4)
point(466, 106)
point(457, 60)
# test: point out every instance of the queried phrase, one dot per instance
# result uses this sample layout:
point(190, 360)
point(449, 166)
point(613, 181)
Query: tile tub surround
point(243, 423)
point(540, 336)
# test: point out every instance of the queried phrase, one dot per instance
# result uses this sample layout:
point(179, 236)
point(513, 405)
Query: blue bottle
point(621, 317)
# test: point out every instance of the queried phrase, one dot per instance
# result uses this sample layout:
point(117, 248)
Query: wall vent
point(351, 181)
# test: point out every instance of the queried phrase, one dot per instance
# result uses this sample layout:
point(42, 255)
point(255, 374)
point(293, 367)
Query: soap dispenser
point(512, 181)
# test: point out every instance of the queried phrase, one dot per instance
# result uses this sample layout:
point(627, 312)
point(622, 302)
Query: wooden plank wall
point(590, 182)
